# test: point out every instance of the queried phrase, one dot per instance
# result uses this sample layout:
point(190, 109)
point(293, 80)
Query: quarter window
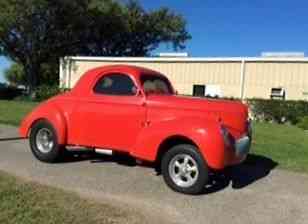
point(115, 84)
point(155, 84)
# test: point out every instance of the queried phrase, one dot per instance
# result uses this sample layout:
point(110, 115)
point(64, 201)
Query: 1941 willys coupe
point(135, 110)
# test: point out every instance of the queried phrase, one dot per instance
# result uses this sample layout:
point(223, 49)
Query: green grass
point(12, 112)
point(286, 145)
point(31, 203)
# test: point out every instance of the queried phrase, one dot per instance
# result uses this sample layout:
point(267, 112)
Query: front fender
point(50, 112)
point(205, 133)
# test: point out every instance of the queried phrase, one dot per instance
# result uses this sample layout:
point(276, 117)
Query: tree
point(15, 75)
point(36, 33)
point(129, 30)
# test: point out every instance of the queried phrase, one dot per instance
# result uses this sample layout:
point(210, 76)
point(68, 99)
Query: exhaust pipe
point(104, 151)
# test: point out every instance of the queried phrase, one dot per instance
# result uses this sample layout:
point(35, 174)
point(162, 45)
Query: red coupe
point(134, 110)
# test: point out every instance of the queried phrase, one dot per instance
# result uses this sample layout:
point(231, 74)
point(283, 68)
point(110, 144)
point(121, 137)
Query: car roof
point(90, 76)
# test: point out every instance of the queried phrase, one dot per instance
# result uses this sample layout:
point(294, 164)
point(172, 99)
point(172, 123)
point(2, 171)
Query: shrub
point(303, 123)
point(44, 92)
point(24, 98)
point(279, 111)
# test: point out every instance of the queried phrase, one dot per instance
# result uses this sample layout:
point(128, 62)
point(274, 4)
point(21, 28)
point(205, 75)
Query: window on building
point(278, 93)
point(198, 90)
point(115, 84)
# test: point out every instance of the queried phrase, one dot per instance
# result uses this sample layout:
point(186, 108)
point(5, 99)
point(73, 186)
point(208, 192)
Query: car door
point(113, 115)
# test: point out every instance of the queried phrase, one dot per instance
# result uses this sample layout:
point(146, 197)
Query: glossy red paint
point(140, 124)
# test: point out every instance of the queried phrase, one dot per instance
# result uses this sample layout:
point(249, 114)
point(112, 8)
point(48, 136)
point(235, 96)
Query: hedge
point(303, 123)
point(280, 111)
point(44, 92)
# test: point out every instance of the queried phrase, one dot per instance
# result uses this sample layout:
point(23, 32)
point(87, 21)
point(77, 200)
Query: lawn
point(12, 112)
point(26, 202)
point(285, 144)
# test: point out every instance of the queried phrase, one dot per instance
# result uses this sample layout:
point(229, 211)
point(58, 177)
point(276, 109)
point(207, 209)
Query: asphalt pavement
point(255, 192)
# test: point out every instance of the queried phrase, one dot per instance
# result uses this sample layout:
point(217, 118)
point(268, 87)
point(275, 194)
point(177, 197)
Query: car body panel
point(139, 124)
point(115, 127)
point(48, 111)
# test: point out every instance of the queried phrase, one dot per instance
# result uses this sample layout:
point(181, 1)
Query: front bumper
point(242, 146)
point(236, 150)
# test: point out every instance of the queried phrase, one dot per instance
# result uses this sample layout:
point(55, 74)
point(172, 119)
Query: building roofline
point(187, 59)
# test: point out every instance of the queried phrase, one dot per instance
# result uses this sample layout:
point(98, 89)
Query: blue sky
point(4, 63)
point(238, 28)
point(242, 27)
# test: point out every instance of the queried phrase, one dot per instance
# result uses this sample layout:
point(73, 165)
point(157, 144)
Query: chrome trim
point(183, 170)
point(44, 140)
point(242, 146)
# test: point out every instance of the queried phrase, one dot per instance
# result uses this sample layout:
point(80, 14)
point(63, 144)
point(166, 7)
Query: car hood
point(232, 113)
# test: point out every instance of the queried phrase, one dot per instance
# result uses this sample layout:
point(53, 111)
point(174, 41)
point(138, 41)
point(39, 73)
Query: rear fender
point(46, 111)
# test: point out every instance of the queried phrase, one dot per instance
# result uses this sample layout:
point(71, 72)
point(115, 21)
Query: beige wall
point(182, 75)
point(259, 77)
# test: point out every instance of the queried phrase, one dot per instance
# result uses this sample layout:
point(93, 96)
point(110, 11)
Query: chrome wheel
point(44, 140)
point(183, 170)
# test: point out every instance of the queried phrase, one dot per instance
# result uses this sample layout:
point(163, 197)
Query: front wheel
point(184, 169)
point(44, 142)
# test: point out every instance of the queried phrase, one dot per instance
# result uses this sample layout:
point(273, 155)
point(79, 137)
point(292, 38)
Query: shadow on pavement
point(10, 139)
point(92, 157)
point(253, 169)
point(121, 159)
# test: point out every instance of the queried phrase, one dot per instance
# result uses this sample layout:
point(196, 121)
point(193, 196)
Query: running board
point(104, 151)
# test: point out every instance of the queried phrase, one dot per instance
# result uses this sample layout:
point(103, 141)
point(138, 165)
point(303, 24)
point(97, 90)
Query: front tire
point(44, 142)
point(184, 169)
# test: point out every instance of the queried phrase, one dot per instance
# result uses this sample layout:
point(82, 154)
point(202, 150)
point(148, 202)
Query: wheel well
point(33, 123)
point(168, 144)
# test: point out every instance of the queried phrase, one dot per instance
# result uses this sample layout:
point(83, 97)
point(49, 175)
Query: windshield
point(154, 84)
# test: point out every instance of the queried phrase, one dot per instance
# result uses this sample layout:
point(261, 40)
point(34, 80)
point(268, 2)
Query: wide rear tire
point(44, 142)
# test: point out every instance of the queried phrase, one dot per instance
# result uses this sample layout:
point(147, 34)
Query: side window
point(115, 84)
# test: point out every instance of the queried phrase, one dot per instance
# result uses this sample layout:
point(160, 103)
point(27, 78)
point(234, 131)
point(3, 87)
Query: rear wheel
point(44, 142)
point(184, 169)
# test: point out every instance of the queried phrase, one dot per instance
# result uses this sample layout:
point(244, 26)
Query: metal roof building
point(249, 77)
